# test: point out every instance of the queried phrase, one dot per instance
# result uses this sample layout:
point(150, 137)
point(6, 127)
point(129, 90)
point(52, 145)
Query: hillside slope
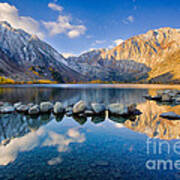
point(167, 70)
point(135, 60)
point(24, 57)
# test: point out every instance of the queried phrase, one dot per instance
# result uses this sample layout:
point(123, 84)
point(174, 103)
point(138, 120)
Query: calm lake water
point(49, 147)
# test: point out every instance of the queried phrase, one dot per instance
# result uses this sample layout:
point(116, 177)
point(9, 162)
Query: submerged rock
point(79, 107)
point(46, 107)
point(170, 115)
point(98, 108)
point(34, 110)
point(58, 108)
point(118, 109)
point(7, 109)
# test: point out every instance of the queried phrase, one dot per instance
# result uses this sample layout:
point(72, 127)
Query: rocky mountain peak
point(133, 59)
point(149, 48)
point(30, 55)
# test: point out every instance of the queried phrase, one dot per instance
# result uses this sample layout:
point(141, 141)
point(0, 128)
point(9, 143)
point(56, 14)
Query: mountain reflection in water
point(96, 143)
point(71, 95)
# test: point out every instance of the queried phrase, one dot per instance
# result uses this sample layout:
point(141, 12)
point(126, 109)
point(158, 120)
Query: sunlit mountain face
point(149, 57)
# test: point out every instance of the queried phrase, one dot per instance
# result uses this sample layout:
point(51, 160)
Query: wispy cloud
point(129, 19)
point(63, 24)
point(97, 42)
point(100, 41)
point(89, 36)
point(10, 14)
point(55, 7)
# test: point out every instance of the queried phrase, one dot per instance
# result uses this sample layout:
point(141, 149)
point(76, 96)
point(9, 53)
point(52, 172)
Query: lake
point(51, 147)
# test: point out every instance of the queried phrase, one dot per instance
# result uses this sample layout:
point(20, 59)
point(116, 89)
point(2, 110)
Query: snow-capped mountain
point(25, 57)
point(150, 57)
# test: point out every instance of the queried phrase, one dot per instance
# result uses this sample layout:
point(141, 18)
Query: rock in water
point(88, 113)
point(98, 108)
point(166, 98)
point(79, 107)
point(46, 107)
point(170, 115)
point(30, 105)
point(58, 108)
point(177, 99)
point(69, 109)
point(118, 109)
point(7, 109)
point(22, 108)
point(16, 105)
point(132, 108)
point(155, 98)
point(34, 110)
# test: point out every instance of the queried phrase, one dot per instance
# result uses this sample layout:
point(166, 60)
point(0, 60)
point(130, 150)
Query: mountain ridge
point(37, 59)
point(150, 49)
point(146, 58)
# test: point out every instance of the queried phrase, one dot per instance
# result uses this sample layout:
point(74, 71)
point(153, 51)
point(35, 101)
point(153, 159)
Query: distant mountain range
point(153, 57)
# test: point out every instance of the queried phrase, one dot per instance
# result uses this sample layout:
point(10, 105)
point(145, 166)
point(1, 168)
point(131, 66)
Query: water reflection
point(151, 124)
point(40, 138)
point(16, 125)
point(98, 119)
point(78, 147)
point(70, 96)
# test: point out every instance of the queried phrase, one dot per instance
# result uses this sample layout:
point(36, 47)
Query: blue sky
point(75, 26)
